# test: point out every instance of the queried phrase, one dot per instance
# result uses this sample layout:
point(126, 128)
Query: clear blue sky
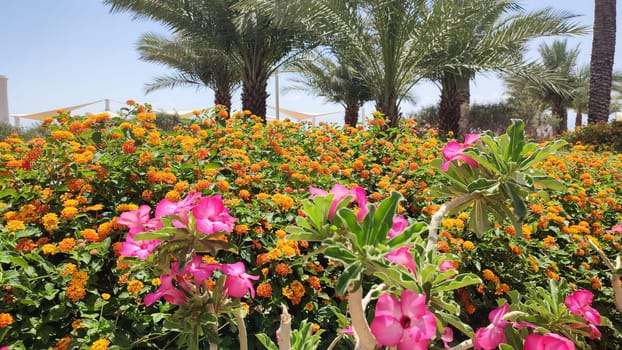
point(59, 53)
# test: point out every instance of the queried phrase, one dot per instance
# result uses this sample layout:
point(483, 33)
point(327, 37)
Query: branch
point(615, 277)
point(437, 218)
point(285, 329)
point(242, 329)
point(362, 334)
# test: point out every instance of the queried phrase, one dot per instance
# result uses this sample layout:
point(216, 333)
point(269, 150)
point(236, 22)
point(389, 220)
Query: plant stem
point(615, 278)
point(467, 344)
point(285, 329)
point(364, 339)
point(437, 218)
point(242, 330)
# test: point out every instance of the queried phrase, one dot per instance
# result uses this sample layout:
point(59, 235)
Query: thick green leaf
point(542, 153)
point(516, 133)
point(340, 253)
point(460, 281)
point(351, 274)
point(457, 323)
point(383, 219)
point(520, 210)
point(479, 218)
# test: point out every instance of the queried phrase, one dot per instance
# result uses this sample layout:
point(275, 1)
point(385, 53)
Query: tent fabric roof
point(52, 113)
point(299, 115)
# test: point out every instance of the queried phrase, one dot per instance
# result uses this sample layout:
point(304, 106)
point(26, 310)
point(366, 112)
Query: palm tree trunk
point(352, 115)
point(601, 64)
point(223, 97)
point(388, 106)
point(560, 111)
point(578, 120)
point(255, 94)
point(455, 95)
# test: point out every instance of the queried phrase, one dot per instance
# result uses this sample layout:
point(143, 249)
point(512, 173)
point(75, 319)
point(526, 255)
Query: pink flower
point(490, 337)
point(407, 323)
point(447, 337)
point(340, 193)
point(238, 281)
point(197, 268)
point(211, 215)
point(139, 220)
point(579, 304)
point(167, 291)
point(616, 229)
point(402, 256)
point(180, 208)
point(453, 151)
point(399, 225)
point(139, 249)
point(447, 265)
point(550, 341)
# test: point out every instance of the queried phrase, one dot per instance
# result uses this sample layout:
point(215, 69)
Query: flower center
point(405, 322)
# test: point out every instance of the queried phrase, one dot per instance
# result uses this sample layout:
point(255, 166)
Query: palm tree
point(257, 36)
point(383, 39)
point(491, 35)
point(559, 63)
point(196, 65)
point(332, 79)
point(601, 64)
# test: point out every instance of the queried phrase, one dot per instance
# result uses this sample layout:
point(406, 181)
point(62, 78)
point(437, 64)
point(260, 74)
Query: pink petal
point(495, 316)
point(402, 256)
point(550, 341)
point(399, 225)
point(387, 330)
point(413, 305)
point(452, 149)
point(388, 305)
point(470, 139)
point(489, 338)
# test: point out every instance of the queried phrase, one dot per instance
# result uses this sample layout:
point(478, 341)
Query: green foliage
point(600, 136)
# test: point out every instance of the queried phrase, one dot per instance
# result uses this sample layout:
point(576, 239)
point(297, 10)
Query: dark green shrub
point(603, 136)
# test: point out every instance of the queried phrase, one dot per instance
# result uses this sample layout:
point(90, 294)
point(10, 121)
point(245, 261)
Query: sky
point(59, 53)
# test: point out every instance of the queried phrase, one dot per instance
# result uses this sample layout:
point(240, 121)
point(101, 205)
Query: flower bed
point(65, 283)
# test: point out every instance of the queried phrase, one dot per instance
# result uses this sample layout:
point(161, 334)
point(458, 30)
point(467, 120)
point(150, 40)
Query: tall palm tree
point(601, 63)
point(491, 36)
point(332, 79)
point(256, 36)
point(558, 64)
point(196, 65)
point(383, 39)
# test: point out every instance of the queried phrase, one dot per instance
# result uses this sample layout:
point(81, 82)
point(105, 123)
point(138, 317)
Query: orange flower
point(264, 290)
point(241, 229)
point(63, 343)
point(66, 245)
point(69, 212)
point(134, 287)
point(100, 344)
point(90, 235)
point(15, 225)
point(6, 319)
point(282, 269)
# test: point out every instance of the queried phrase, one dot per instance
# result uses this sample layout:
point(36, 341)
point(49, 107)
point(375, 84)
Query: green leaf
point(548, 182)
point(383, 219)
point(266, 341)
point(482, 184)
point(516, 133)
point(352, 273)
point(340, 253)
point(542, 153)
point(479, 218)
point(462, 280)
point(456, 322)
point(520, 210)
